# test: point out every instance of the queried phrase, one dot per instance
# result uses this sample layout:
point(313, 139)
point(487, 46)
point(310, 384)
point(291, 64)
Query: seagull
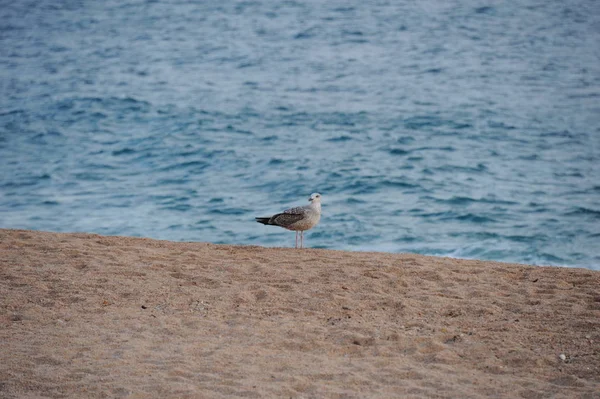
point(298, 219)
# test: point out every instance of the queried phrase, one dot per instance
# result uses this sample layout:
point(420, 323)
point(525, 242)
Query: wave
point(582, 211)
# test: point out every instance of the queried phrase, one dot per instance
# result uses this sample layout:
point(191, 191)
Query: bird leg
point(302, 239)
point(296, 240)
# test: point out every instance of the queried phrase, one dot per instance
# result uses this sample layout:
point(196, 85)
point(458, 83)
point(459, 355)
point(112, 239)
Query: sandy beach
point(89, 316)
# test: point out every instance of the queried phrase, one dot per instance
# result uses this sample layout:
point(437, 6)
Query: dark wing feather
point(286, 219)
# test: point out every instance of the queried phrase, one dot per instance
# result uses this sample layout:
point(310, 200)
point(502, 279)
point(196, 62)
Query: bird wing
point(288, 217)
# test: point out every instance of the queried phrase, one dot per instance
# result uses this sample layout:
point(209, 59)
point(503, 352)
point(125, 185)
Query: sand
point(89, 316)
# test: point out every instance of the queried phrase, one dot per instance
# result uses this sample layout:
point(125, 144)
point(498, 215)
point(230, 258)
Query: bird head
point(315, 197)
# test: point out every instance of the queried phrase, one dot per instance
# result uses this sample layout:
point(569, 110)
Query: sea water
point(456, 128)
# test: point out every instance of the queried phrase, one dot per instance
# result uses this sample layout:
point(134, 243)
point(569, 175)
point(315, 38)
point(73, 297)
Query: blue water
point(460, 128)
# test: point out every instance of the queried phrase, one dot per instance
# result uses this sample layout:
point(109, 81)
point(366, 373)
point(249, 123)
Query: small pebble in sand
point(562, 357)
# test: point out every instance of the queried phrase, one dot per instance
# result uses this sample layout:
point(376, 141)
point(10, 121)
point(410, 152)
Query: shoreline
point(362, 251)
point(94, 316)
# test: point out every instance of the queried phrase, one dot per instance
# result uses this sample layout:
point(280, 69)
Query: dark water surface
point(459, 128)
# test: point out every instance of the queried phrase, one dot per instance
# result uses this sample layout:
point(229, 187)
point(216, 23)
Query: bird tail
point(263, 220)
